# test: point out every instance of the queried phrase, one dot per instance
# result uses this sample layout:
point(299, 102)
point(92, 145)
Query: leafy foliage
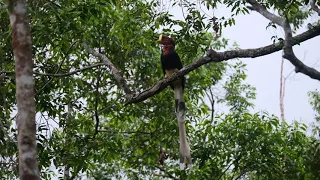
point(250, 145)
point(85, 128)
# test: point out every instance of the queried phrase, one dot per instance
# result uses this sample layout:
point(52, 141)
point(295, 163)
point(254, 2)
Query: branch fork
point(289, 40)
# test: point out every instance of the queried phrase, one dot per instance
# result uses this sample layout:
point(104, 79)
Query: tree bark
point(21, 45)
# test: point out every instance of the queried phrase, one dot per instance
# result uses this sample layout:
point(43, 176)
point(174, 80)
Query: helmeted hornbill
point(171, 63)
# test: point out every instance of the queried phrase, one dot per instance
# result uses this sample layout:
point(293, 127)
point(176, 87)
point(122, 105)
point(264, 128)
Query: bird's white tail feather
point(180, 113)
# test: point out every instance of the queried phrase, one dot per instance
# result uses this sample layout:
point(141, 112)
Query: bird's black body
point(171, 61)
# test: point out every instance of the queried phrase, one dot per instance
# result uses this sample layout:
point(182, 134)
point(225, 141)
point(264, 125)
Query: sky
point(264, 72)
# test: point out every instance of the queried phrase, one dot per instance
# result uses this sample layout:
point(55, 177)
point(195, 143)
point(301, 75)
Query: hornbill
point(171, 63)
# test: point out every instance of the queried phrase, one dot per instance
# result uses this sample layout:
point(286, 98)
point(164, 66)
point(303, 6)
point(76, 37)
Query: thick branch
point(116, 73)
point(314, 6)
point(288, 42)
point(264, 12)
point(289, 54)
point(213, 56)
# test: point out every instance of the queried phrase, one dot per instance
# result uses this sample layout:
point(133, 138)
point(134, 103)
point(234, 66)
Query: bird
point(171, 63)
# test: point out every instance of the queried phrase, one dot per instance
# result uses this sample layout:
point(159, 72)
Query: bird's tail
point(180, 113)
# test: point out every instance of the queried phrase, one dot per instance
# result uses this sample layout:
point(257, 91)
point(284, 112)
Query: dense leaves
point(85, 128)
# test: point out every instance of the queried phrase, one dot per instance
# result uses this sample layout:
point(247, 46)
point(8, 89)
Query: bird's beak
point(159, 41)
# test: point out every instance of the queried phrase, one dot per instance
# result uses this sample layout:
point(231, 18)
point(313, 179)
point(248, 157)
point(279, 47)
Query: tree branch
point(314, 6)
point(126, 132)
point(96, 102)
point(169, 175)
point(264, 12)
point(70, 73)
point(288, 42)
point(58, 75)
point(59, 68)
point(282, 92)
point(116, 73)
point(224, 172)
point(213, 56)
point(212, 101)
point(289, 54)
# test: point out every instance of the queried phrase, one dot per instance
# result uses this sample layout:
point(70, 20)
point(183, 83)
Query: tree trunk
point(21, 45)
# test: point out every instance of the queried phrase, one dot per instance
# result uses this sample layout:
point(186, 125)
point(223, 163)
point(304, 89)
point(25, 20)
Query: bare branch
point(224, 172)
point(126, 132)
point(264, 12)
point(289, 40)
point(212, 101)
point(58, 75)
point(66, 173)
point(282, 92)
point(59, 68)
point(213, 56)
point(116, 73)
point(55, 3)
point(96, 128)
point(314, 6)
point(289, 54)
point(169, 175)
point(70, 73)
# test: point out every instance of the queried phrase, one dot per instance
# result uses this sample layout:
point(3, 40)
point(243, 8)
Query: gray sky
point(264, 72)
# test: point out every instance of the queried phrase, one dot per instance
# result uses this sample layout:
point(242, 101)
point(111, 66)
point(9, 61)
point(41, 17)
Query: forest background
point(103, 112)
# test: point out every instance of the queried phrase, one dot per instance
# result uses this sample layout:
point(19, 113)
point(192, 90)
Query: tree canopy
point(102, 107)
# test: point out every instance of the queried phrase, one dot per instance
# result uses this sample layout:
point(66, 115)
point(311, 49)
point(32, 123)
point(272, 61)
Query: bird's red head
point(167, 43)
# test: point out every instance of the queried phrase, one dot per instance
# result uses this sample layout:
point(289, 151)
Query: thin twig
point(169, 175)
point(96, 105)
point(224, 172)
point(126, 132)
point(58, 75)
point(282, 82)
point(108, 107)
point(113, 70)
point(60, 65)
point(70, 73)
